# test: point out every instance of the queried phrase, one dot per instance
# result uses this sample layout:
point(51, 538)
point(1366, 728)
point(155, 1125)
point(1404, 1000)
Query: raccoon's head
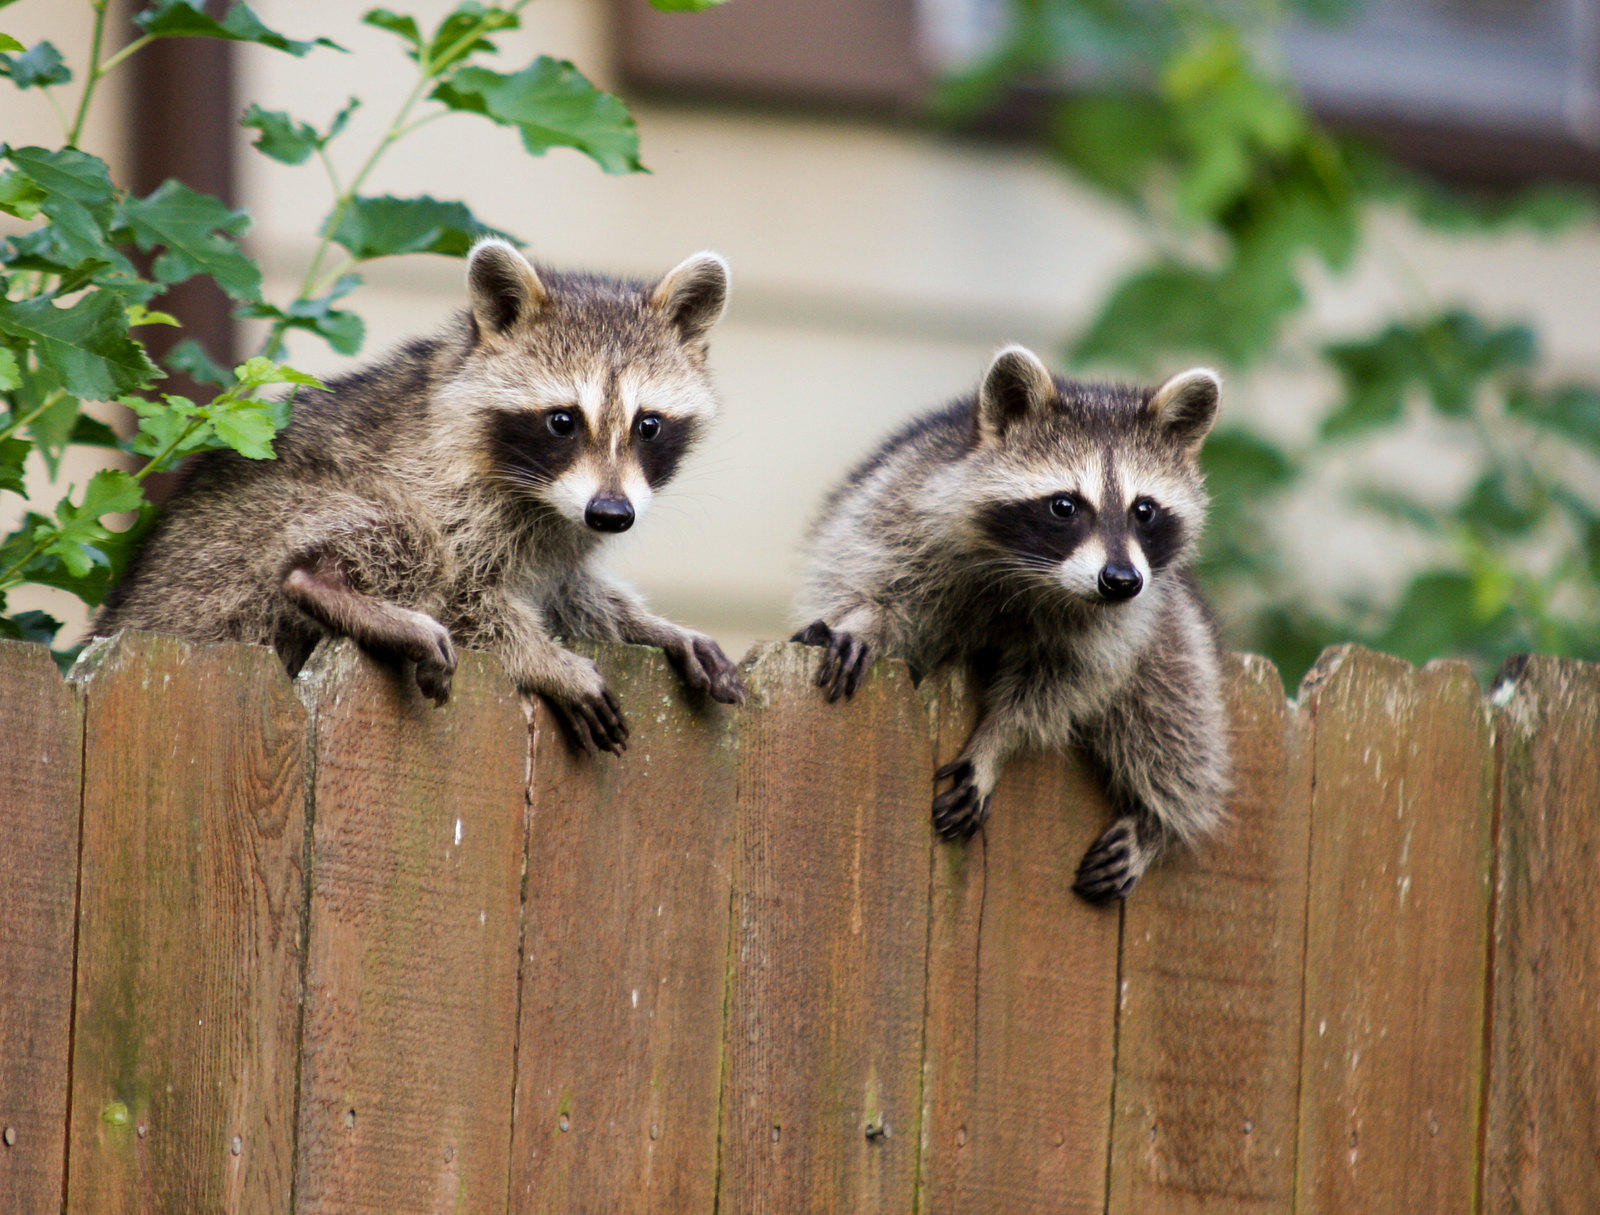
point(1095, 488)
point(589, 389)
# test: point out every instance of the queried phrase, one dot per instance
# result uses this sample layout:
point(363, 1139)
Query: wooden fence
point(322, 947)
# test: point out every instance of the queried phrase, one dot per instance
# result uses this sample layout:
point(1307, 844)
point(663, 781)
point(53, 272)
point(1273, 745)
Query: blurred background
point(1376, 219)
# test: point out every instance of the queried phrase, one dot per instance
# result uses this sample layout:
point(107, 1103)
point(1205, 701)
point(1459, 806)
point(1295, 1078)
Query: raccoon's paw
point(703, 666)
point(960, 809)
point(592, 721)
point(435, 657)
point(1114, 864)
point(845, 660)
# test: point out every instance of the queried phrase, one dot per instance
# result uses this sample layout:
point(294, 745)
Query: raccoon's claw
point(1113, 865)
point(435, 659)
point(961, 809)
point(702, 665)
point(815, 633)
point(844, 662)
point(593, 723)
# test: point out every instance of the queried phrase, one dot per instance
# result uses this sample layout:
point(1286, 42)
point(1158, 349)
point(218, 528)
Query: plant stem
point(29, 416)
point(95, 70)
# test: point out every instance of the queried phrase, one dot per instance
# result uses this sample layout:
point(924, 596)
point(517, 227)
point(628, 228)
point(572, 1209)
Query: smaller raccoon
point(455, 493)
point(1040, 536)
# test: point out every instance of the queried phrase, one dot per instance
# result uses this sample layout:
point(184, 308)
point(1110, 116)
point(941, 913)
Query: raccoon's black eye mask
point(537, 445)
point(1046, 529)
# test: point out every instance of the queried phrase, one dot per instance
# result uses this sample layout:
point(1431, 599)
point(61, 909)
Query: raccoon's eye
point(1063, 506)
point(1145, 511)
point(560, 422)
point(648, 426)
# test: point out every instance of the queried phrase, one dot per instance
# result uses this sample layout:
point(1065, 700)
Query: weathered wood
point(411, 973)
point(824, 1032)
point(1208, 1033)
point(41, 753)
point(1397, 936)
point(625, 955)
point(1542, 1151)
point(1021, 996)
point(190, 912)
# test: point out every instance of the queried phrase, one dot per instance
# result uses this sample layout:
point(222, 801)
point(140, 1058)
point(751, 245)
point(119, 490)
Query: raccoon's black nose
point(1120, 582)
point(609, 514)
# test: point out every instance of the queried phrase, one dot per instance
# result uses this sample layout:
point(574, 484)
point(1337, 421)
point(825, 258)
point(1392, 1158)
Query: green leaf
point(247, 427)
point(38, 627)
point(1114, 141)
point(13, 455)
point(395, 23)
point(52, 429)
point(76, 535)
point(1497, 504)
point(342, 330)
point(10, 372)
point(189, 358)
point(38, 68)
point(259, 370)
point(553, 106)
point(198, 235)
point(92, 432)
point(79, 198)
point(1241, 464)
point(168, 430)
point(1375, 374)
point(8, 43)
point(383, 227)
point(1572, 410)
point(685, 6)
point(340, 119)
point(187, 19)
point(138, 315)
point(1435, 616)
point(84, 347)
point(283, 138)
point(460, 34)
point(20, 195)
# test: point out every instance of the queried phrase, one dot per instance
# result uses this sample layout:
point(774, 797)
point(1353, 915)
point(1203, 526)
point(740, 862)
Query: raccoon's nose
point(1120, 582)
point(609, 514)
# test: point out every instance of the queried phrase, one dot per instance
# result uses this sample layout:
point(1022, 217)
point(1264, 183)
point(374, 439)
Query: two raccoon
point(1038, 534)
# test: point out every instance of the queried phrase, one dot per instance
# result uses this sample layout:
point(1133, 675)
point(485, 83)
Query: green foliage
point(1171, 110)
point(72, 297)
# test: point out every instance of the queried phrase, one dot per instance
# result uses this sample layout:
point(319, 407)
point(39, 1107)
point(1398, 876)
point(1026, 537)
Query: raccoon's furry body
point(454, 493)
point(1039, 536)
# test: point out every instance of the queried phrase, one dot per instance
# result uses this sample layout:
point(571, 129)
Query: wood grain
point(1208, 1038)
point(411, 975)
point(1022, 978)
point(1397, 936)
point(1542, 1150)
point(625, 955)
point(191, 905)
point(824, 1033)
point(41, 753)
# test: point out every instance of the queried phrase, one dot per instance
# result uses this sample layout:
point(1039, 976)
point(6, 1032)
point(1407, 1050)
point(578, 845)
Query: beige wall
point(874, 271)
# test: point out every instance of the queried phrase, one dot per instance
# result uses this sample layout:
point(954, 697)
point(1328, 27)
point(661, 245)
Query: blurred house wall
point(875, 269)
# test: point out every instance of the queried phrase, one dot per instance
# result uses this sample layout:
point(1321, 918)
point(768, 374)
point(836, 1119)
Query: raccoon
point(1040, 536)
point(454, 493)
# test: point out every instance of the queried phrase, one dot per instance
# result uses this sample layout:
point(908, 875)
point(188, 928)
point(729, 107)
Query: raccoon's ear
point(693, 294)
point(1017, 384)
point(502, 285)
point(1185, 406)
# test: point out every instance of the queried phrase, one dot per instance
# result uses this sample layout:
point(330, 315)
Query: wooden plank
point(41, 753)
point(411, 972)
point(1022, 979)
point(1543, 1145)
point(1208, 1036)
point(1397, 936)
point(190, 914)
point(821, 1099)
point(625, 955)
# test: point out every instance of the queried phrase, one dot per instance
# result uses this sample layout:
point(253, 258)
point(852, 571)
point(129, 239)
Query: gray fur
point(398, 514)
point(944, 548)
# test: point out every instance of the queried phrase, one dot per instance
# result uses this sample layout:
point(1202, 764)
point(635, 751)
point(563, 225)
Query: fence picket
point(41, 751)
point(413, 939)
point(190, 910)
point(625, 955)
point(1397, 936)
point(824, 1033)
point(1208, 1035)
point(1021, 996)
point(1543, 1137)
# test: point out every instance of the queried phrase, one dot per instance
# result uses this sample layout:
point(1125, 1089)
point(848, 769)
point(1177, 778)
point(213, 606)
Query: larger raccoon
point(454, 493)
point(1040, 535)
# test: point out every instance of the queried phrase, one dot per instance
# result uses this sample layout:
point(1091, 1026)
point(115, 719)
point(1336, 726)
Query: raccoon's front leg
point(1166, 764)
point(570, 684)
point(961, 809)
point(849, 648)
point(698, 659)
point(319, 588)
